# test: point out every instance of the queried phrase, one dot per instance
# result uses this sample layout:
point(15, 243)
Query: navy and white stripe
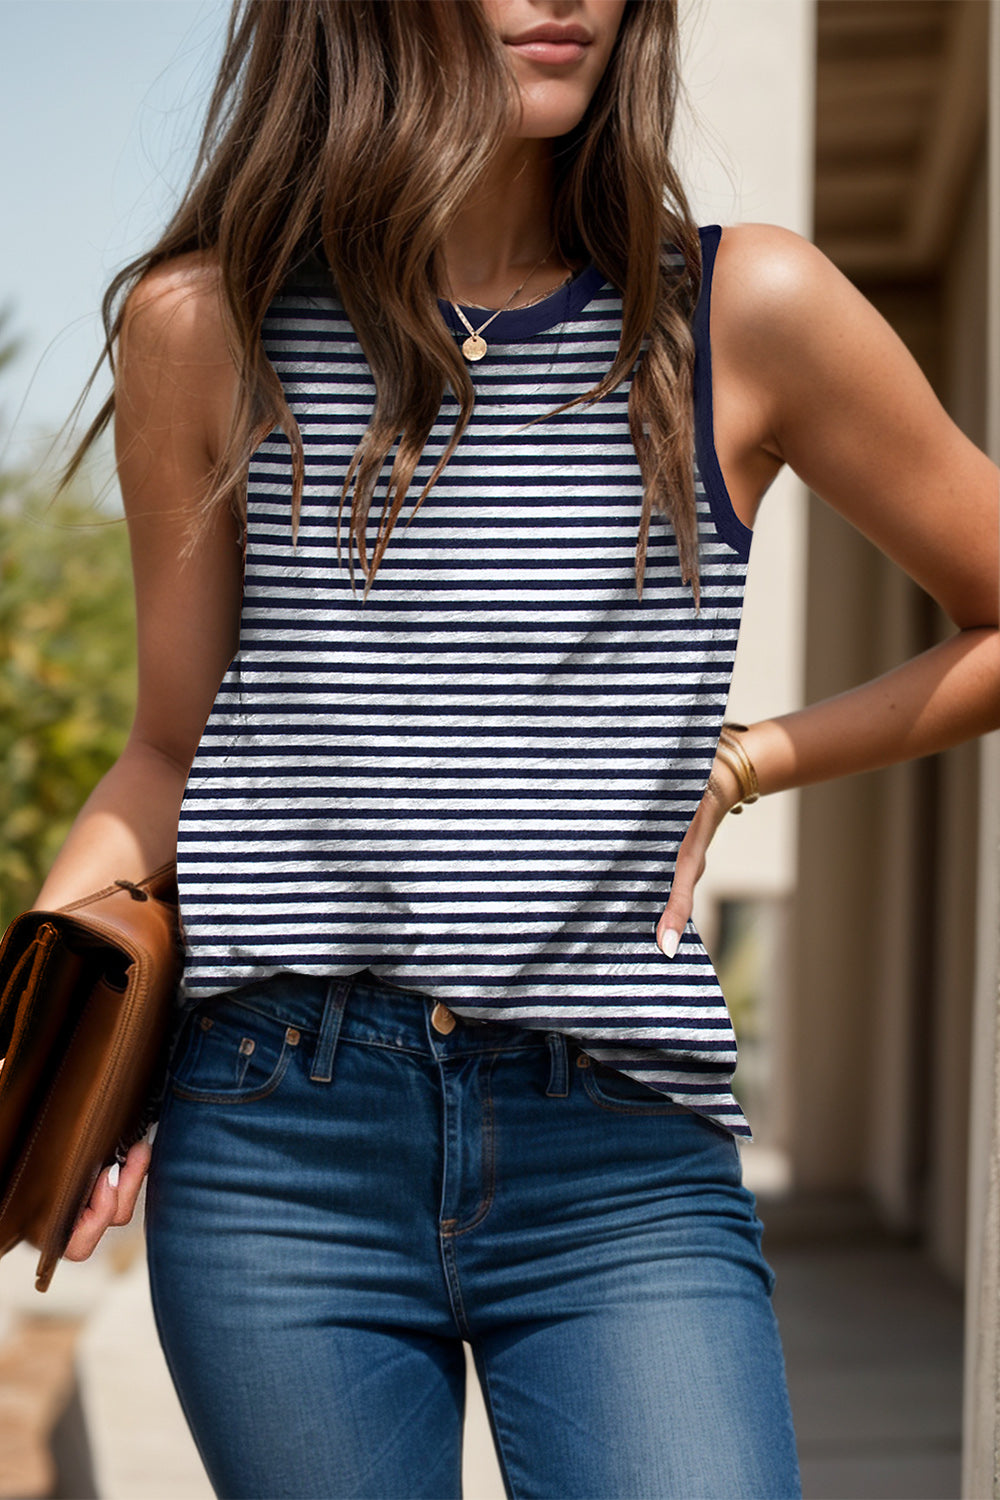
point(475, 784)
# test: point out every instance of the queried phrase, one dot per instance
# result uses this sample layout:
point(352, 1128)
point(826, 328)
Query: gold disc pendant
point(474, 347)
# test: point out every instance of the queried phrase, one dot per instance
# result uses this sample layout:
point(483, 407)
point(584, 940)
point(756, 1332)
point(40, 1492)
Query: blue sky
point(100, 106)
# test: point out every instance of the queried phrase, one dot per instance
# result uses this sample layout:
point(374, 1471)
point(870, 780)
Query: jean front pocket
point(614, 1090)
point(232, 1055)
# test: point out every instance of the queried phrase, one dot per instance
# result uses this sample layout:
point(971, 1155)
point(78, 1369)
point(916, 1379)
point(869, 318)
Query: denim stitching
point(558, 1084)
point(310, 1030)
point(265, 1015)
point(429, 1057)
point(198, 1096)
point(626, 1107)
point(328, 1036)
point(452, 1283)
point(487, 1159)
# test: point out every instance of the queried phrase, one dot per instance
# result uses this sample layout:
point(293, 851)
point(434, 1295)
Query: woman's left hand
point(112, 1201)
point(721, 794)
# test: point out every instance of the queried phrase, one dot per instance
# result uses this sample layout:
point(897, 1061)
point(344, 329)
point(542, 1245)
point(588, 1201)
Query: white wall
point(745, 153)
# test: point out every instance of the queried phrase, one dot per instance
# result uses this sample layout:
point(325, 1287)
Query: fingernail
point(114, 1172)
point(671, 942)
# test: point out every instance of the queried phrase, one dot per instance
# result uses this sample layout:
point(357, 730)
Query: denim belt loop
point(329, 1030)
point(558, 1084)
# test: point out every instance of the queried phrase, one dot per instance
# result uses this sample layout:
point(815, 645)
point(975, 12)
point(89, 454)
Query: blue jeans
point(348, 1182)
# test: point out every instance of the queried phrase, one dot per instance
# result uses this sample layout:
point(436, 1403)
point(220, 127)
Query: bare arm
point(174, 388)
point(812, 376)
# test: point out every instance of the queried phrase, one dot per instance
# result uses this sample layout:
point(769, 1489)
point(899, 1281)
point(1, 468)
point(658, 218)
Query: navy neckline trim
point(521, 322)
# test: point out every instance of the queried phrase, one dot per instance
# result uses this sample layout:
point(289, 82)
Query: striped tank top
point(475, 783)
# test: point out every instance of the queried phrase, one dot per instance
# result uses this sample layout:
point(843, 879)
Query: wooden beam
point(858, 192)
point(954, 134)
point(857, 255)
point(869, 131)
point(861, 21)
point(843, 82)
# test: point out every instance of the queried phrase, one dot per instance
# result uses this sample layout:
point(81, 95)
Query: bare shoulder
point(175, 365)
point(772, 285)
point(177, 307)
point(768, 248)
point(765, 281)
point(820, 381)
point(174, 386)
point(791, 327)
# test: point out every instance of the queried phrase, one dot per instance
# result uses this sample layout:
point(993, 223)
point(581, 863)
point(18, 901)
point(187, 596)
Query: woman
point(448, 1068)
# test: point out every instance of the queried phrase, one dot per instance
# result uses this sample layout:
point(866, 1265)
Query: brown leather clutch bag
point(86, 1006)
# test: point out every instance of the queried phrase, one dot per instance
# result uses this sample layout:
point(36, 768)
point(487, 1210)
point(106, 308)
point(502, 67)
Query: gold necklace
point(475, 346)
point(542, 295)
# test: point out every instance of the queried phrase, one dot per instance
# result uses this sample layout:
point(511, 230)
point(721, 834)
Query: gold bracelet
point(732, 753)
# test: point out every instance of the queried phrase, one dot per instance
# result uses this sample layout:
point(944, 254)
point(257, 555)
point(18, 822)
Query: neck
point(503, 229)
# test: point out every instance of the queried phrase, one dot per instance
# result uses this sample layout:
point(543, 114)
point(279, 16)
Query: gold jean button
point(442, 1019)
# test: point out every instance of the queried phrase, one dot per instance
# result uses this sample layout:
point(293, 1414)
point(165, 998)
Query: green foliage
point(67, 673)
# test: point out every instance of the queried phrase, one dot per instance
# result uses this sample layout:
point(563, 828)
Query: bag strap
point(161, 886)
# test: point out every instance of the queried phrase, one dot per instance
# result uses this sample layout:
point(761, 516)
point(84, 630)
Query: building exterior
point(869, 1005)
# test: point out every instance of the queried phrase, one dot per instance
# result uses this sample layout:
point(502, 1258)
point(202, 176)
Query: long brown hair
point(355, 129)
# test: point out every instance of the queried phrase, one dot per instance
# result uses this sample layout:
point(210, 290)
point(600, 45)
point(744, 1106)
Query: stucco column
point(745, 153)
point(981, 1457)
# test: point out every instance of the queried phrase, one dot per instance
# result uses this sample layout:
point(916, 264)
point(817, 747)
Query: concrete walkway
point(873, 1349)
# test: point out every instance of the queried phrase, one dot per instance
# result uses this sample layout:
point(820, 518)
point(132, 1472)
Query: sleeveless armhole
point(727, 522)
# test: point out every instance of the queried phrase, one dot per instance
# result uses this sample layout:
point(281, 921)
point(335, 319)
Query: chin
point(545, 117)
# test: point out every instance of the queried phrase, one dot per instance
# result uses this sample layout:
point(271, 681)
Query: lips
point(552, 31)
point(549, 52)
point(551, 43)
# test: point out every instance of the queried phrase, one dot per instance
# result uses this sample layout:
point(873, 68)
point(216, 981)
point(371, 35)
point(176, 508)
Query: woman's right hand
point(111, 1202)
point(721, 794)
